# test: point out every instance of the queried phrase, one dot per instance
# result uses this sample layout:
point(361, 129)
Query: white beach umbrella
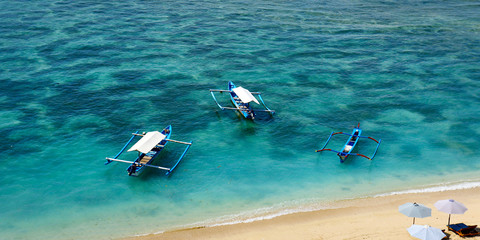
point(450, 206)
point(426, 232)
point(415, 210)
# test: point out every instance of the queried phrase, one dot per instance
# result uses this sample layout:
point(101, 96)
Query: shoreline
point(374, 217)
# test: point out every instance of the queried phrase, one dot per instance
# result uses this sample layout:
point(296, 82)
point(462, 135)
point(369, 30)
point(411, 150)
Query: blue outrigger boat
point(350, 144)
point(241, 99)
point(148, 148)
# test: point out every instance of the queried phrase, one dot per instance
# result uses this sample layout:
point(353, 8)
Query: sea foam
point(311, 205)
point(436, 188)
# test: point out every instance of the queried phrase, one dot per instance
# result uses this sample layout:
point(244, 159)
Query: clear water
point(77, 77)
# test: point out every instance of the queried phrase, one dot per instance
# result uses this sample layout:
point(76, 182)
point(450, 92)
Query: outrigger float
point(148, 148)
point(350, 144)
point(241, 99)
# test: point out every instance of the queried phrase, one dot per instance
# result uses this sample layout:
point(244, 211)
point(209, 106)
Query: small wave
point(314, 205)
point(265, 213)
point(436, 188)
point(310, 205)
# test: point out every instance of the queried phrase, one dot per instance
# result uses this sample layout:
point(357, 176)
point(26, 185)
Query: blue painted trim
point(328, 140)
point(123, 149)
point(345, 154)
point(347, 134)
point(378, 145)
point(261, 99)
point(332, 150)
point(180, 159)
point(245, 114)
point(140, 169)
point(218, 104)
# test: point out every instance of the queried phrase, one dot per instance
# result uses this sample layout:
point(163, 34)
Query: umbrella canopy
point(450, 206)
point(426, 232)
point(415, 210)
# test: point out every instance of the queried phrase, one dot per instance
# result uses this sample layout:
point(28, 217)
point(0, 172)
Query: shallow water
point(77, 77)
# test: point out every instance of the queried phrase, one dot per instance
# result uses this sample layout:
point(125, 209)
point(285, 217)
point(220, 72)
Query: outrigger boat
point(350, 144)
point(241, 99)
point(148, 148)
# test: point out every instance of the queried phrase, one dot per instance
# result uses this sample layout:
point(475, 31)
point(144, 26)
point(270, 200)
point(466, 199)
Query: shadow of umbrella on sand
point(426, 232)
point(450, 206)
point(415, 210)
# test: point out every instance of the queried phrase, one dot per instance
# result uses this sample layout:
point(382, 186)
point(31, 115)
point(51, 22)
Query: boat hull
point(244, 108)
point(167, 131)
point(350, 144)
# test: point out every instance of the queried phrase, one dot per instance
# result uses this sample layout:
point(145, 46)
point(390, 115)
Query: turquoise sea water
point(77, 77)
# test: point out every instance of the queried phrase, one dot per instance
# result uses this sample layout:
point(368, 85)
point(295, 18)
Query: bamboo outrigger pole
point(171, 140)
point(148, 165)
point(216, 90)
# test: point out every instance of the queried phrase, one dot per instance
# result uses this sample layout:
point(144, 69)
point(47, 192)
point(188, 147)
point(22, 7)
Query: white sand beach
point(367, 218)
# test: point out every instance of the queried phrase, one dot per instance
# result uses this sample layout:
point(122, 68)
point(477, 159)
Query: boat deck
point(145, 159)
point(241, 105)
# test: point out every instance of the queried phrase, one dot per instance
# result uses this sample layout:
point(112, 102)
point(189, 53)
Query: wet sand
point(366, 218)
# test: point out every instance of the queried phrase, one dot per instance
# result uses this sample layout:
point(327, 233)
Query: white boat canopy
point(244, 95)
point(147, 142)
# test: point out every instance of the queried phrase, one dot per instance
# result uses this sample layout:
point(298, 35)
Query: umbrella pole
point(413, 220)
point(449, 219)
